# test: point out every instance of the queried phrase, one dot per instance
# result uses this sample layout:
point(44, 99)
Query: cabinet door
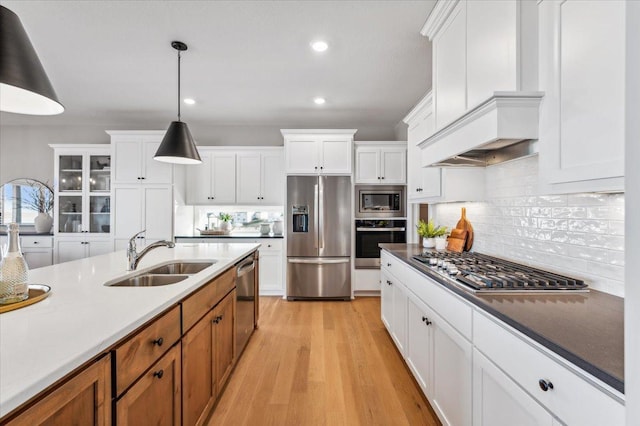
point(127, 211)
point(499, 401)
point(451, 373)
point(399, 323)
point(419, 343)
point(335, 156)
point(126, 161)
point(386, 301)
point(199, 180)
point(66, 251)
point(158, 213)
point(98, 247)
point(271, 272)
point(431, 182)
point(272, 179)
point(393, 166)
point(154, 171)
point(83, 400)
point(224, 355)
point(368, 165)
point(155, 398)
point(248, 178)
point(198, 384)
point(223, 178)
point(37, 258)
point(302, 156)
point(449, 79)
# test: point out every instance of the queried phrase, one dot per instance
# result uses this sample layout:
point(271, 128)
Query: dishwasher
point(246, 300)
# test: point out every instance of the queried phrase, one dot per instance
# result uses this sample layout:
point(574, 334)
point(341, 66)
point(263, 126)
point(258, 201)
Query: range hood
point(502, 128)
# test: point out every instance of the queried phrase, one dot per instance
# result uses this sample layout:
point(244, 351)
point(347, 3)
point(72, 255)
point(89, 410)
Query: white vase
point(226, 226)
point(441, 243)
point(43, 223)
point(428, 242)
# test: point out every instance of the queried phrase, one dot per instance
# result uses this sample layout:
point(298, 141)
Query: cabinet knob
point(382, 177)
point(426, 321)
point(143, 178)
point(35, 242)
point(389, 282)
point(159, 374)
point(388, 264)
point(321, 167)
point(545, 385)
point(159, 341)
point(316, 167)
point(268, 245)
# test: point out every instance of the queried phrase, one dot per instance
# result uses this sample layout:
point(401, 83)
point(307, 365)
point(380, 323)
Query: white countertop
point(81, 318)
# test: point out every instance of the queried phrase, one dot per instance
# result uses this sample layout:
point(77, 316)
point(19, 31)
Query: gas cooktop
point(481, 273)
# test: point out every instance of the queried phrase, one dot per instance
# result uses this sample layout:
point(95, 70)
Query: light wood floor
point(321, 363)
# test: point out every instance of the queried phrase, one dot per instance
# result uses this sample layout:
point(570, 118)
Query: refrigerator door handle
point(321, 215)
point(315, 216)
point(319, 261)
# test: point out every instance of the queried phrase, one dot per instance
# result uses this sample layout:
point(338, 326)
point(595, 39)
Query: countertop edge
point(574, 359)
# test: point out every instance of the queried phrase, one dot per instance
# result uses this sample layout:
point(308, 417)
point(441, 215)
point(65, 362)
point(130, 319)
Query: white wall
point(581, 235)
point(24, 150)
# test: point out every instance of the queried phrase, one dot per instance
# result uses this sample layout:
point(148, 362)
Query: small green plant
point(429, 230)
point(225, 217)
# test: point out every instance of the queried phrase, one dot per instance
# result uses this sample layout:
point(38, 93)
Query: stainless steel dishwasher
point(245, 300)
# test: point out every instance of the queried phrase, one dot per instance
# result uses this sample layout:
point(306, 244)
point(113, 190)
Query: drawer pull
point(159, 341)
point(389, 282)
point(426, 321)
point(217, 319)
point(545, 385)
point(388, 264)
point(159, 374)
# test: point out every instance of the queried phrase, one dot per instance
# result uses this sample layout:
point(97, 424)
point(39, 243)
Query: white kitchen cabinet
point(312, 152)
point(381, 163)
point(419, 353)
point(499, 401)
point(213, 181)
point(74, 248)
point(260, 177)
point(37, 250)
point(394, 308)
point(582, 118)
point(142, 207)
point(132, 153)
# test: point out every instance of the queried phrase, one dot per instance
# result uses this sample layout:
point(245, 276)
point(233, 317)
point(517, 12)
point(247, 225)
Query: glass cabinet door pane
point(70, 213)
point(70, 178)
point(99, 213)
point(100, 173)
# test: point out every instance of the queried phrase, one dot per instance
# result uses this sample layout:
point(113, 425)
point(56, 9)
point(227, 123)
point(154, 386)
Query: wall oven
point(370, 233)
point(380, 201)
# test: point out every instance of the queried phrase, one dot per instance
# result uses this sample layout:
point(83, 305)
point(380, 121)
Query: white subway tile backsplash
point(581, 235)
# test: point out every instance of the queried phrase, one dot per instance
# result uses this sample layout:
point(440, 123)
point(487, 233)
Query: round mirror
point(22, 199)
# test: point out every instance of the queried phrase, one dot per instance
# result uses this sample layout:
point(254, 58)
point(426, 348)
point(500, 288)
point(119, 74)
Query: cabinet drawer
point(138, 353)
point(392, 265)
point(198, 304)
point(449, 306)
point(271, 245)
point(573, 399)
point(36, 242)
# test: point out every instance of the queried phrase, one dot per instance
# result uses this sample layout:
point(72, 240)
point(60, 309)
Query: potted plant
point(226, 222)
point(429, 232)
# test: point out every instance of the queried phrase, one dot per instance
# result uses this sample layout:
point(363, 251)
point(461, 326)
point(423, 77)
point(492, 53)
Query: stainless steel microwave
point(380, 201)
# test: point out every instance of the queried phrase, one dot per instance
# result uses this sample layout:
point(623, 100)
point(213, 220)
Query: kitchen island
point(83, 318)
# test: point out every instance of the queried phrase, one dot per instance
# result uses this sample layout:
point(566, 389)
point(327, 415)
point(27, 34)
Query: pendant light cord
point(179, 85)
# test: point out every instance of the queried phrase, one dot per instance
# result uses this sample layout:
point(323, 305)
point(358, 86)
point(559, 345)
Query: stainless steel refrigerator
point(318, 237)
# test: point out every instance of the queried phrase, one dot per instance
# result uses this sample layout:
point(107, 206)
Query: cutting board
point(457, 240)
point(465, 225)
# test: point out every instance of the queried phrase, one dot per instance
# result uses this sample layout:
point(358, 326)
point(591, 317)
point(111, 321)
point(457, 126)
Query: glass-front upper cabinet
point(82, 189)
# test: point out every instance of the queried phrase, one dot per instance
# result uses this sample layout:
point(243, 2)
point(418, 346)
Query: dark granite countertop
point(231, 236)
point(586, 329)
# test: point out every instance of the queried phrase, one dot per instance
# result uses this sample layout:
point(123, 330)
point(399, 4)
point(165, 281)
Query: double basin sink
point(169, 273)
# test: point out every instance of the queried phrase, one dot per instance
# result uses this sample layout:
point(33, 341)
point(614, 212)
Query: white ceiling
point(248, 63)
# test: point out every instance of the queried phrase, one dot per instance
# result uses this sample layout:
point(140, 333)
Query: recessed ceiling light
point(189, 101)
point(319, 101)
point(319, 46)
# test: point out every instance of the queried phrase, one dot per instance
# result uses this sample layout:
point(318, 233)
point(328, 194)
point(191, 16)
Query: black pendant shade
point(177, 145)
point(24, 85)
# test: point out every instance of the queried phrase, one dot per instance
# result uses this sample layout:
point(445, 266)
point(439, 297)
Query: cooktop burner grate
point(483, 273)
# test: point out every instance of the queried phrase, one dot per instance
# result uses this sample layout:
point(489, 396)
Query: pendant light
point(177, 145)
point(24, 84)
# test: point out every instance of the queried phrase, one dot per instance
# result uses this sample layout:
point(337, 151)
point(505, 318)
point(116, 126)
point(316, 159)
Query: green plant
point(429, 230)
point(225, 217)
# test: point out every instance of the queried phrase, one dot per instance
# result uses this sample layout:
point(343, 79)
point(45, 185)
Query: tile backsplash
point(581, 235)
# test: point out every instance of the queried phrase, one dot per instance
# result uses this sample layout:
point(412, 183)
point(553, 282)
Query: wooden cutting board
point(464, 224)
point(457, 240)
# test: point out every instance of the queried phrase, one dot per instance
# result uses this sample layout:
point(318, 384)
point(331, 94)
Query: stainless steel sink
point(148, 280)
point(180, 268)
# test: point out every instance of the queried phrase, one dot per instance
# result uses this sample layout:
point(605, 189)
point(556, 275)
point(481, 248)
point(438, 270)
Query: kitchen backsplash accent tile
point(581, 235)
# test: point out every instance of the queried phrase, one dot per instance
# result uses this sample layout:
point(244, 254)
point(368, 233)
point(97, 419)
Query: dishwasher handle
point(245, 268)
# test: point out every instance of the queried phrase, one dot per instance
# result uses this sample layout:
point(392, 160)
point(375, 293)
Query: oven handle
point(379, 229)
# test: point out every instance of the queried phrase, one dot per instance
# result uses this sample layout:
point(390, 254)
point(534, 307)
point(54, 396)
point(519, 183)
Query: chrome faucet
point(134, 257)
